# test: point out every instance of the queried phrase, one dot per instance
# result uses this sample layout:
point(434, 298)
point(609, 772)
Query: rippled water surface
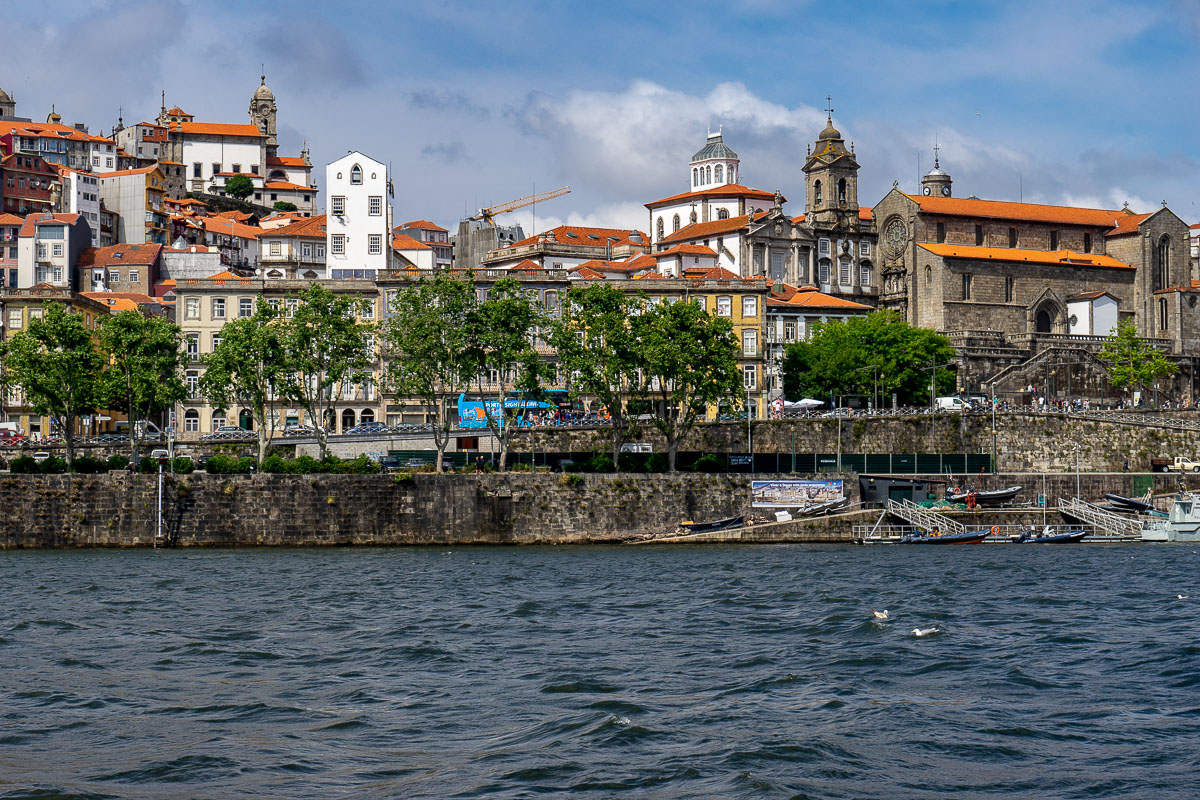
point(753, 672)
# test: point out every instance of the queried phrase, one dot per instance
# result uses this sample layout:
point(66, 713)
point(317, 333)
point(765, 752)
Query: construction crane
point(488, 214)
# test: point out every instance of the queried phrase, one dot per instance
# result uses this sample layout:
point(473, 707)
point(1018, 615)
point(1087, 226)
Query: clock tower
point(262, 115)
point(936, 182)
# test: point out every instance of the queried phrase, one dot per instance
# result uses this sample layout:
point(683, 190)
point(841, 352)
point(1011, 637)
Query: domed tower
point(936, 182)
point(262, 114)
point(8, 106)
point(831, 178)
point(713, 165)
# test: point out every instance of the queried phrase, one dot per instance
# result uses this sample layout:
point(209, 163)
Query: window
point(337, 206)
point(191, 381)
point(237, 167)
point(113, 277)
point(718, 174)
point(550, 302)
point(675, 224)
point(307, 249)
point(842, 191)
point(374, 244)
point(789, 331)
point(191, 308)
point(356, 175)
point(1163, 274)
point(289, 307)
point(1162, 313)
point(749, 306)
point(750, 376)
point(749, 343)
point(375, 206)
point(337, 244)
point(928, 275)
point(41, 252)
point(1012, 237)
point(722, 213)
point(134, 275)
point(864, 274)
point(245, 306)
point(57, 250)
point(218, 308)
point(941, 233)
point(823, 247)
point(817, 193)
point(217, 339)
point(695, 177)
point(1087, 243)
point(844, 272)
point(724, 306)
point(1053, 240)
point(14, 319)
point(659, 228)
point(966, 280)
point(275, 248)
point(216, 169)
point(368, 309)
point(708, 174)
point(97, 277)
point(978, 235)
point(1008, 289)
point(823, 272)
point(193, 346)
point(864, 249)
point(191, 420)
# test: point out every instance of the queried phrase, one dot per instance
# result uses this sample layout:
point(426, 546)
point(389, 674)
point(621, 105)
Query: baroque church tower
point(262, 115)
point(831, 181)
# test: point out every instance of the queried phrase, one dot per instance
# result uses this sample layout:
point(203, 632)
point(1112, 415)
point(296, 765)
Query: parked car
point(389, 463)
point(367, 427)
point(298, 430)
point(11, 439)
point(416, 463)
point(41, 455)
point(225, 432)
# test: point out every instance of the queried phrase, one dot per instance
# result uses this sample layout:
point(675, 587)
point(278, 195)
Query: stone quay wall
point(120, 509)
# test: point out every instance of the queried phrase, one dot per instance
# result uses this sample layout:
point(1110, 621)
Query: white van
point(951, 404)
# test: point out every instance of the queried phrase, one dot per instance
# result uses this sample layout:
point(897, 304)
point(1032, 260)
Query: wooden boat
point(967, 537)
point(715, 525)
point(1128, 503)
point(983, 497)
point(1048, 536)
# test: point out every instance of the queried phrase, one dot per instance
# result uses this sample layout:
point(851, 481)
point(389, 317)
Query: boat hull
point(716, 525)
point(969, 537)
point(988, 497)
point(1071, 537)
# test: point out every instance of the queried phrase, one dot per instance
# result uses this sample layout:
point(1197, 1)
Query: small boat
point(813, 509)
point(966, 537)
point(715, 525)
point(1049, 536)
point(1128, 503)
point(983, 497)
point(1182, 525)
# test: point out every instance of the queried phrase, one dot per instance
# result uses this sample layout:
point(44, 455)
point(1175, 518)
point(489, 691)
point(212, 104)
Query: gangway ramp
point(1107, 521)
point(923, 518)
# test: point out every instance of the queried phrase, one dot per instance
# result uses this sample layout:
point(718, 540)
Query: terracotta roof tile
point(808, 297)
point(123, 172)
point(285, 161)
point(217, 129)
point(402, 241)
point(587, 273)
point(711, 274)
point(423, 224)
point(687, 250)
point(310, 227)
point(1127, 224)
point(229, 227)
point(38, 219)
point(1066, 258)
point(1028, 212)
point(137, 254)
point(728, 190)
point(575, 234)
point(1089, 295)
point(284, 186)
point(701, 229)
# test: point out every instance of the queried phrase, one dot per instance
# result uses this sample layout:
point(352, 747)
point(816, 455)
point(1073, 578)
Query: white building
point(80, 194)
point(213, 151)
point(48, 247)
point(358, 218)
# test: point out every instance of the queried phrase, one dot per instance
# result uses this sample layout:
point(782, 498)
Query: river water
point(599, 672)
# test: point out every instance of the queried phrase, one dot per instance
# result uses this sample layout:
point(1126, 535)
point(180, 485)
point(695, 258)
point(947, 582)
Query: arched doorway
point(347, 419)
point(1044, 322)
point(245, 420)
point(330, 420)
point(367, 415)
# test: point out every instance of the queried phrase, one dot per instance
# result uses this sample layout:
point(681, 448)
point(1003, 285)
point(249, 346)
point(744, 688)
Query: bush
point(117, 462)
point(182, 465)
point(601, 462)
point(24, 465)
point(570, 480)
point(229, 465)
point(709, 463)
point(53, 466)
point(360, 465)
point(656, 462)
point(86, 465)
point(307, 465)
point(276, 464)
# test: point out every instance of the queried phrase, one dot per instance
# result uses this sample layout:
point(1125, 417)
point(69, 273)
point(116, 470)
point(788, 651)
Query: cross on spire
point(936, 148)
point(829, 108)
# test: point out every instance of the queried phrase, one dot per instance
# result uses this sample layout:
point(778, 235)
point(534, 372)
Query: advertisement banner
point(791, 494)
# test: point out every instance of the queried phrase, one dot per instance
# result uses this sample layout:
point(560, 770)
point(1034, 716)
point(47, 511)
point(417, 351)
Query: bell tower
point(831, 178)
point(936, 182)
point(262, 114)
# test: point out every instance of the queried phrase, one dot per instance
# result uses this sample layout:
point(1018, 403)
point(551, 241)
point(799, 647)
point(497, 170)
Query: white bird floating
point(1181, 596)
point(925, 631)
point(880, 614)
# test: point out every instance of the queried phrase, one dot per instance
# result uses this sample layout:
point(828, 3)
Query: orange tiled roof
point(309, 227)
point(711, 228)
point(234, 214)
point(284, 186)
point(114, 303)
point(687, 250)
point(728, 190)
point(1127, 224)
point(49, 130)
point(37, 219)
point(229, 227)
point(527, 265)
point(809, 297)
point(864, 212)
point(587, 273)
point(223, 275)
point(1089, 295)
point(1027, 212)
point(575, 234)
point(710, 274)
point(217, 129)
point(137, 254)
point(285, 161)
point(11, 219)
point(1065, 258)
point(424, 225)
point(123, 172)
point(402, 241)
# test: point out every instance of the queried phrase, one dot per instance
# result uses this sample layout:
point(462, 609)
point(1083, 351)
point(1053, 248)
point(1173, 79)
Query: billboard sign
point(791, 494)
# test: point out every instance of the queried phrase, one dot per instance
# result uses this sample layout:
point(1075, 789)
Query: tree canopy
point(1133, 363)
point(859, 355)
point(284, 205)
point(239, 186)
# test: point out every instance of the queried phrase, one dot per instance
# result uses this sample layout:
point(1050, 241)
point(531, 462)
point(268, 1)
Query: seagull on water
point(1181, 597)
point(880, 614)
point(925, 631)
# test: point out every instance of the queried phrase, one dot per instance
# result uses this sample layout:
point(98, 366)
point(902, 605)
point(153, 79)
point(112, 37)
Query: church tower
point(936, 182)
point(262, 114)
point(831, 179)
point(8, 106)
point(713, 165)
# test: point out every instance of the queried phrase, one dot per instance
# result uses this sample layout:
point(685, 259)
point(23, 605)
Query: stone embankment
point(121, 509)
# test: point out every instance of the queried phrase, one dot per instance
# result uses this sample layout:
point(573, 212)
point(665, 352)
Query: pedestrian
point(1125, 467)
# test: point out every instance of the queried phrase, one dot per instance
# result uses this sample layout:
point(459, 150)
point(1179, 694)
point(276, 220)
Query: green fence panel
point(929, 463)
point(878, 462)
point(954, 462)
point(826, 462)
point(1142, 484)
point(979, 461)
point(903, 463)
point(806, 463)
point(854, 462)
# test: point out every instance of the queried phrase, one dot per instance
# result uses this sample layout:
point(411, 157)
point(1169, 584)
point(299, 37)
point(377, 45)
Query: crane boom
point(488, 214)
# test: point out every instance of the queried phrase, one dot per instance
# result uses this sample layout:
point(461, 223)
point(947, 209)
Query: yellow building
point(743, 302)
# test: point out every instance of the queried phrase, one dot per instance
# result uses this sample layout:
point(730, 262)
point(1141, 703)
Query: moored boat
point(1181, 525)
point(813, 509)
point(1128, 503)
point(1049, 536)
point(983, 497)
point(966, 537)
point(715, 525)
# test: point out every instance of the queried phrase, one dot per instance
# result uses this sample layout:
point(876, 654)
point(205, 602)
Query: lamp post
point(749, 433)
point(995, 402)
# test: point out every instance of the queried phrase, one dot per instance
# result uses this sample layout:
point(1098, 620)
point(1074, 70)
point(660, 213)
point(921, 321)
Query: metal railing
point(924, 518)
point(1113, 524)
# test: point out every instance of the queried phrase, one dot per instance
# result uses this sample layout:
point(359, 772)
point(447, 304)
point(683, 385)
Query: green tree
point(55, 363)
point(325, 351)
point(284, 205)
point(245, 368)
point(239, 186)
point(143, 360)
point(426, 346)
point(858, 354)
point(688, 361)
point(500, 334)
point(597, 351)
point(1133, 363)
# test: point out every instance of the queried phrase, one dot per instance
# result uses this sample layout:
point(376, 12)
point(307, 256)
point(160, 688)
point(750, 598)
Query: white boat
point(1181, 525)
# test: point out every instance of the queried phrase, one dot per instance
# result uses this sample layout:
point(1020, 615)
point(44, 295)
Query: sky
point(473, 104)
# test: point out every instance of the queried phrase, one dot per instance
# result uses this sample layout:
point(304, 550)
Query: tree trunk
point(69, 441)
point(617, 436)
point(262, 444)
point(672, 449)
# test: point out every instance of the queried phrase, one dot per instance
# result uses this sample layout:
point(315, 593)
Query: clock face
point(945, 191)
point(895, 236)
point(927, 190)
